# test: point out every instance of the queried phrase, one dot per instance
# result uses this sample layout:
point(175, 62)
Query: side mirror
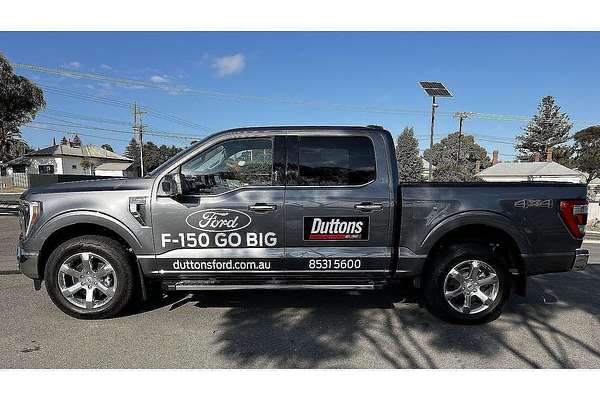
point(170, 186)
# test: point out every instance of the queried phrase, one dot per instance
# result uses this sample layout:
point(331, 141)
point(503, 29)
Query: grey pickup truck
point(311, 207)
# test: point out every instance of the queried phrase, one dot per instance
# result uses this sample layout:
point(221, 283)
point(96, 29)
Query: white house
point(548, 171)
point(66, 159)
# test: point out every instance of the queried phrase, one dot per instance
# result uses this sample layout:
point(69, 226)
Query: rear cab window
point(335, 161)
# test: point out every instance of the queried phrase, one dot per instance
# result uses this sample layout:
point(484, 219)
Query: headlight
point(29, 214)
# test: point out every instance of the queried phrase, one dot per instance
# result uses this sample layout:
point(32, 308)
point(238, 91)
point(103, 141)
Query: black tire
point(109, 249)
point(443, 262)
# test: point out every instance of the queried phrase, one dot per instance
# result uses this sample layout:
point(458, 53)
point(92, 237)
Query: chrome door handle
point(368, 207)
point(261, 207)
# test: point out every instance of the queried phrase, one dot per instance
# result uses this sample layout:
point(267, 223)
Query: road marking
point(591, 242)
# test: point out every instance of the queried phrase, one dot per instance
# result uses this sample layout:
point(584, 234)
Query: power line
point(97, 128)
point(108, 121)
point(234, 96)
point(83, 117)
point(83, 96)
point(123, 104)
point(81, 134)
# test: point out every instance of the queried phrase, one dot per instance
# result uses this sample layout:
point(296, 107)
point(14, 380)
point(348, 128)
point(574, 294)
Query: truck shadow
point(295, 329)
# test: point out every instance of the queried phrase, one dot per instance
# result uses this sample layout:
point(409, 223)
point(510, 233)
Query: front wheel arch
point(84, 275)
point(71, 231)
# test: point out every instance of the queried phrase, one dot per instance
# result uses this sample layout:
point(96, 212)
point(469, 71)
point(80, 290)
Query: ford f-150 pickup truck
point(309, 207)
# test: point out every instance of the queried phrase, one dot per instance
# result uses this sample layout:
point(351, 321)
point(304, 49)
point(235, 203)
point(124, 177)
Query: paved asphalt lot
point(557, 325)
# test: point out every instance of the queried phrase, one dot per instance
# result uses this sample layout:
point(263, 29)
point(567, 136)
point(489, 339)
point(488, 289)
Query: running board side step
point(188, 286)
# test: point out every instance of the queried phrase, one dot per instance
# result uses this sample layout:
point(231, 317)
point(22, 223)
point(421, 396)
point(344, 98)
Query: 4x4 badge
point(533, 203)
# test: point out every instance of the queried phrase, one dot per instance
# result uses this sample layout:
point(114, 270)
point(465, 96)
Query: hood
point(97, 185)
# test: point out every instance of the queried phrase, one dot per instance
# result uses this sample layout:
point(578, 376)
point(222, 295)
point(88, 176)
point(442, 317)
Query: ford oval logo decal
point(218, 220)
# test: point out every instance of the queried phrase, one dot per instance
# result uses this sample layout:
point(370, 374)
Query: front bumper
point(581, 259)
point(28, 262)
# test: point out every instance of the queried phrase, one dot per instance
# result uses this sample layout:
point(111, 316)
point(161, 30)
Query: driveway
point(556, 325)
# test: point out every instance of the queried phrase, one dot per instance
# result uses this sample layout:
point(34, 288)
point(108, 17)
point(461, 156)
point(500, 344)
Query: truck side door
point(337, 204)
point(229, 217)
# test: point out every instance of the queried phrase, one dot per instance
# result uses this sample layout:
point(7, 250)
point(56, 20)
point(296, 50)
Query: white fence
point(20, 179)
point(16, 180)
point(593, 211)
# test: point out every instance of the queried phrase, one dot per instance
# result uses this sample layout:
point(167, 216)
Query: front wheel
point(90, 277)
point(468, 283)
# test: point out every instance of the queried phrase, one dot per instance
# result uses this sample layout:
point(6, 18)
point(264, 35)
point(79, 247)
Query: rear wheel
point(90, 277)
point(468, 283)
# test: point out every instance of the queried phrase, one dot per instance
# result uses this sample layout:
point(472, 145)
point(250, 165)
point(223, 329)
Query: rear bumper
point(581, 259)
point(546, 263)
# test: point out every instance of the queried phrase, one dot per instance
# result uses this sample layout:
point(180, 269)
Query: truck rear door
point(337, 204)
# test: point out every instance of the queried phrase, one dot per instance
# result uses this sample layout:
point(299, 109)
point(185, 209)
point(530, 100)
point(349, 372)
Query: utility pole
point(138, 129)
point(461, 116)
point(433, 107)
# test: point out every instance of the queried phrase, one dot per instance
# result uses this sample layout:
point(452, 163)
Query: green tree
point(449, 167)
point(152, 156)
point(76, 141)
point(88, 164)
point(410, 165)
point(20, 101)
point(548, 128)
point(132, 151)
point(107, 147)
point(587, 152)
point(167, 152)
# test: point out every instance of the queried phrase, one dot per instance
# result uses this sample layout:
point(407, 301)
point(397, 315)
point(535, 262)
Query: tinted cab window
point(335, 161)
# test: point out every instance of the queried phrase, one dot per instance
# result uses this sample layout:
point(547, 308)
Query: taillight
point(574, 214)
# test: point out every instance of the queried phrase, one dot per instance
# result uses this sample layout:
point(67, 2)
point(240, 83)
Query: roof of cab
point(304, 128)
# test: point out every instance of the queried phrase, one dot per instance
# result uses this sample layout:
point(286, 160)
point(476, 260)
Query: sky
point(306, 78)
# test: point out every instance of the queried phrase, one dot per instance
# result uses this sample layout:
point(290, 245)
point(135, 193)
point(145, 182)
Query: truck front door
point(229, 217)
point(337, 204)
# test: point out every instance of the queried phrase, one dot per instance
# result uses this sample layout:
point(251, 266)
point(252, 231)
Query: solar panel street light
point(433, 90)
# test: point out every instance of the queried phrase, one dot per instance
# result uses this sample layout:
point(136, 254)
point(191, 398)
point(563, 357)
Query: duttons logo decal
point(336, 228)
point(218, 220)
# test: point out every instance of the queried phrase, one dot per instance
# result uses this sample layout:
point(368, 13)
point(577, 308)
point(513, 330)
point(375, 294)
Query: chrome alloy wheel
point(87, 280)
point(471, 286)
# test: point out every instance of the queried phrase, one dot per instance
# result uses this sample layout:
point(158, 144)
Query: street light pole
point(433, 107)
point(433, 90)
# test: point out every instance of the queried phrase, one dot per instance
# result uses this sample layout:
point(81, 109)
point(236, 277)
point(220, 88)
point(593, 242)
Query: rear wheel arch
point(495, 238)
point(449, 285)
